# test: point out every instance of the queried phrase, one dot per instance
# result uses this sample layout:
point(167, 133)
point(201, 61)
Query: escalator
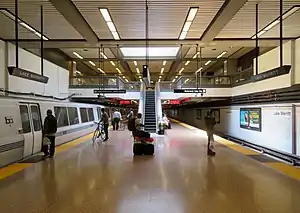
point(150, 112)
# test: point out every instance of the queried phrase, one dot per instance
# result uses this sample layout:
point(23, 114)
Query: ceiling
point(219, 25)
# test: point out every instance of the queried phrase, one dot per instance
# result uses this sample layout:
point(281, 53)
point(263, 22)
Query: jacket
point(50, 125)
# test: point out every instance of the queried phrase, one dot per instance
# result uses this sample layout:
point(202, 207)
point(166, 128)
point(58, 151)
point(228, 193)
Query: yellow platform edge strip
point(281, 167)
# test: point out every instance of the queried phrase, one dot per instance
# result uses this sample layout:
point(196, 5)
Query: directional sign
point(21, 73)
point(189, 90)
point(96, 91)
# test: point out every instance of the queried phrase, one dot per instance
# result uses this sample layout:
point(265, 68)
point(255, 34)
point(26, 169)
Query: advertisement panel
point(250, 118)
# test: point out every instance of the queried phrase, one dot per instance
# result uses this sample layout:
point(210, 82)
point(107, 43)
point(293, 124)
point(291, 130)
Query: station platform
point(180, 178)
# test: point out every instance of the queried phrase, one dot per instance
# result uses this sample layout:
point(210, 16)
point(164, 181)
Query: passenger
point(50, 128)
point(116, 119)
point(130, 114)
point(105, 121)
point(166, 121)
point(138, 128)
point(210, 123)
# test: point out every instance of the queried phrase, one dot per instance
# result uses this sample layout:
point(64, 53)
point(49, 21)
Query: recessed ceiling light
point(160, 76)
point(164, 63)
point(109, 22)
point(208, 62)
point(116, 35)
point(137, 70)
point(101, 70)
point(192, 13)
point(124, 76)
point(181, 70)
point(105, 14)
point(126, 80)
point(158, 80)
point(199, 70)
point(188, 22)
point(196, 54)
point(111, 27)
point(221, 55)
point(118, 70)
point(162, 70)
point(176, 76)
point(135, 63)
point(140, 76)
point(103, 55)
point(174, 80)
point(187, 63)
point(141, 80)
point(112, 63)
point(77, 55)
point(92, 63)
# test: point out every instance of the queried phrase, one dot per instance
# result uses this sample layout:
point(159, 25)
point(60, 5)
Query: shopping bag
point(46, 141)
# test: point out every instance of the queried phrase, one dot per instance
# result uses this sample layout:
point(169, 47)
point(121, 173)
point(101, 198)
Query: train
point(22, 124)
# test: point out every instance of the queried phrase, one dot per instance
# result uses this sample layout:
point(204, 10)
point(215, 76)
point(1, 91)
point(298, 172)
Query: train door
point(32, 128)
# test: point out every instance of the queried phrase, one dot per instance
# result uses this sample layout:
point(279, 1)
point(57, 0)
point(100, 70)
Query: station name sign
point(21, 73)
point(189, 90)
point(272, 73)
point(106, 91)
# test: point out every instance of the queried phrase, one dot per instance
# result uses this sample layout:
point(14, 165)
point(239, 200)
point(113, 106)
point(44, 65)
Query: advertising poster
point(250, 118)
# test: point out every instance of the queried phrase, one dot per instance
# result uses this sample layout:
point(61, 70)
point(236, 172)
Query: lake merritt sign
point(21, 73)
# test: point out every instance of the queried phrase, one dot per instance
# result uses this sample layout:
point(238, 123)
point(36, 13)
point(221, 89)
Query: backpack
point(131, 125)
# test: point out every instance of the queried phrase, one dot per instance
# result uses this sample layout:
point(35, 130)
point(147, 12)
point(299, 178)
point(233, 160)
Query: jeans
point(105, 128)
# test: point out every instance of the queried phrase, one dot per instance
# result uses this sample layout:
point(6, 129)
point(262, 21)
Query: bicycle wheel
point(96, 135)
point(102, 134)
point(122, 126)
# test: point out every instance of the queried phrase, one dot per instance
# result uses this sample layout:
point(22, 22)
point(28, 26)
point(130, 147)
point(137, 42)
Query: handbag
point(46, 141)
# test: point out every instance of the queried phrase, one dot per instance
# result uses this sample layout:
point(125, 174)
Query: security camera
point(201, 94)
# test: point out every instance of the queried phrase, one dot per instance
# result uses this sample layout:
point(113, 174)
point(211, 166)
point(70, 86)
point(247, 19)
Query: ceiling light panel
point(222, 54)
point(101, 70)
point(92, 63)
point(164, 63)
point(112, 63)
point(187, 63)
point(208, 62)
point(162, 70)
point(188, 22)
point(135, 63)
point(138, 70)
point(111, 26)
point(119, 71)
point(77, 55)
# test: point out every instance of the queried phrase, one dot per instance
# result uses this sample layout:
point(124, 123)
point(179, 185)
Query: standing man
point(116, 119)
point(210, 123)
point(50, 128)
point(130, 114)
point(105, 121)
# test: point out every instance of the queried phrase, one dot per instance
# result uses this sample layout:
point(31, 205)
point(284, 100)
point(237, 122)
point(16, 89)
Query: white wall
point(276, 125)
point(57, 85)
point(271, 59)
point(297, 61)
point(2, 64)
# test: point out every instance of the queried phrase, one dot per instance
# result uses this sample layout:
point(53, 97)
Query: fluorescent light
point(101, 70)
point(112, 63)
point(182, 35)
point(164, 63)
point(187, 63)
point(290, 12)
point(187, 26)
point(77, 55)
point(141, 80)
point(140, 76)
point(92, 63)
point(118, 70)
point(208, 62)
point(103, 55)
point(196, 54)
point(111, 26)
point(138, 70)
point(199, 70)
point(135, 63)
point(192, 13)
point(105, 14)
point(116, 35)
point(153, 51)
point(124, 76)
point(223, 53)
point(158, 80)
point(186, 80)
point(259, 34)
point(273, 24)
point(162, 70)
point(173, 80)
point(160, 76)
point(126, 80)
point(181, 70)
point(176, 76)
point(23, 24)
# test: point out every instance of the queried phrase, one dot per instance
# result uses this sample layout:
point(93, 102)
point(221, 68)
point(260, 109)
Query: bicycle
point(123, 125)
point(99, 132)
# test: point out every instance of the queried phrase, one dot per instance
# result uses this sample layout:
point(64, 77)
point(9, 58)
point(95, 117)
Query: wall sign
point(272, 73)
point(189, 90)
point(21, 73)
point(250, 118)
point(125, 102)
point(96, 91)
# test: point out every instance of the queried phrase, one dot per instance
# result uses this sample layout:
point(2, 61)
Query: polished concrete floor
point(180, 178)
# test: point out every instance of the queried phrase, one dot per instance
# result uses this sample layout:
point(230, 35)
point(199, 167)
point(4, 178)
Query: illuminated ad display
point(250, 118)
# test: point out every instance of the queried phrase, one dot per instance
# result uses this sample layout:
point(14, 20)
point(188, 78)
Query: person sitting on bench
point(138, 125)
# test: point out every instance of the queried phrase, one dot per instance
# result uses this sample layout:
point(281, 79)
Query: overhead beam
point(70, 12)
point(222, 18)
point(118, 59)
point(56, 43)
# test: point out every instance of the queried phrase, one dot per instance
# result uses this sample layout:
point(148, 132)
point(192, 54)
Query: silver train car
point(22, 124)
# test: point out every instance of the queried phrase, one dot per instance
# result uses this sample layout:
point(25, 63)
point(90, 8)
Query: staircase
point(150, 115)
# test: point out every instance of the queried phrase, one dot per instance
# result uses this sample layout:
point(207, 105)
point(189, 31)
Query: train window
point(99, 112)
point(36, 119)
point(83, 115)
point(91, 114)
point(73, 115)
point(61, 116)
point(25, 119)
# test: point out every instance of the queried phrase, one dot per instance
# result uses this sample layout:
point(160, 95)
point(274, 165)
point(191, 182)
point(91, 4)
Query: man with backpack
point(135, 126)
point(50, 128)
point(210, 123)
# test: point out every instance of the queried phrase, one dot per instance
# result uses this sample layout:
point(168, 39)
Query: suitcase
point(143, 149)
